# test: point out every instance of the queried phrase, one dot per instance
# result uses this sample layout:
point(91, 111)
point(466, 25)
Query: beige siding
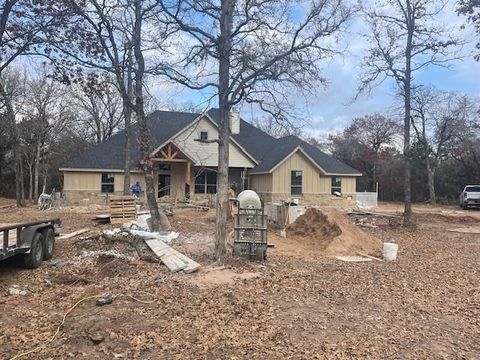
point(312, 181)
point(349, 185)
point(86, 181)
point(207, 154)
point(92, 181)
point(261, 183)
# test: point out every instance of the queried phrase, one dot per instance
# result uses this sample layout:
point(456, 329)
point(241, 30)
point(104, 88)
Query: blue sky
point(331, 108)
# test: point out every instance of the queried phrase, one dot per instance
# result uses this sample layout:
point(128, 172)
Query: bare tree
point(275, 128)
point(250, 52)
point(12, 95)
point(406, 36)
point(436, 119)
point(471, 9)
point(98, 37)
point(22, 29)
point(100, 110)
point(46, 112)
point(116, 39)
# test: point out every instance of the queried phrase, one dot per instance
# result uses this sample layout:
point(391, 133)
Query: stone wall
point(83, 198)
point(79, 197)
point(348, 200)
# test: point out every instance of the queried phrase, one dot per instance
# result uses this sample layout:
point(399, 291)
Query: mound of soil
point(331, 232)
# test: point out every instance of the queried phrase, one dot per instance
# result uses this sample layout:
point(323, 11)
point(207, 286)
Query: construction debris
point(467, 230)
point(16, 291)
point(353, 258)
point(73, 234)
point(157, 242)
point(7, 206)
point(363, 212)
point(101, 219)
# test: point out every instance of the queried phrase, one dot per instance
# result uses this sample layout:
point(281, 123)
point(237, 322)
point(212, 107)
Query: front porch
point(179, 178)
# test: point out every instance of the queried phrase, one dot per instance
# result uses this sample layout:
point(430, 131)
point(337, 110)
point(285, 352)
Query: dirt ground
point(299, 304)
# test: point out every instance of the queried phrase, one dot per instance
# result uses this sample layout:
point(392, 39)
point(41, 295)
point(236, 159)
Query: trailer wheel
point(48, 243)
point(34, 258)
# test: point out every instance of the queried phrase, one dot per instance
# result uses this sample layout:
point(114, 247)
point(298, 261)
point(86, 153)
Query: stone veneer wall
point(79, 197)
point(348, 200)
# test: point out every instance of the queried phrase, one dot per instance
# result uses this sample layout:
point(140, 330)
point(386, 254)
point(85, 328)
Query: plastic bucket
point(390, 251)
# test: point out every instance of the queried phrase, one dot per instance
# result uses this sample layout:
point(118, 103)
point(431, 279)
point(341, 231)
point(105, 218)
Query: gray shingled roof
point(284, 146)
point(110, 154)
point(267, 150)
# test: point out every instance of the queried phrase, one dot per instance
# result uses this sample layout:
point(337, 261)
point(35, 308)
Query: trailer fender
point(29, 232)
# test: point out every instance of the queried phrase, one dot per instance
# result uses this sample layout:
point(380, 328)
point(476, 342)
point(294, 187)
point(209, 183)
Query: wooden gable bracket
point(168, 153)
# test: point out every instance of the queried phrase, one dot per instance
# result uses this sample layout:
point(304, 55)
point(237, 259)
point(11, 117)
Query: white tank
point(249, 199)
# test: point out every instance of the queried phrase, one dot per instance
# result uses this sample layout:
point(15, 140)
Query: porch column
point(187, 179)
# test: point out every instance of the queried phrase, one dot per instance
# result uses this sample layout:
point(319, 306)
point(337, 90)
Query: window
point(164, 167)
point(163, 185)
point(296, 183)
point(108, 183)
point(206, 182)
point(336, 184)
point(204, 135)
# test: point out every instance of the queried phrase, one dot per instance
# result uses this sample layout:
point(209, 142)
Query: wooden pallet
point(122, 209)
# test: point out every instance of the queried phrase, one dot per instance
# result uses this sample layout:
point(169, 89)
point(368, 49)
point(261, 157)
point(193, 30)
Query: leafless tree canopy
point(277, 47)
point(406, 36)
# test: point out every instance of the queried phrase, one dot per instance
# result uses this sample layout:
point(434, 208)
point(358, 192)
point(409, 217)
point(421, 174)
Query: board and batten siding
point(206, 154)
point(313, 180)
point(92, 181)
point(349, 185)
point(261, 183)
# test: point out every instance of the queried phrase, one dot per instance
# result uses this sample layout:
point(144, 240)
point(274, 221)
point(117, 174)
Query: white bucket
point(390, 251)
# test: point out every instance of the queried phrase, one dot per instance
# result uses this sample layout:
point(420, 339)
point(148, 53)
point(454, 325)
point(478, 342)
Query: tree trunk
point(36, 171)
point(17, 158)
point(30, 181)
point(407, 89)
point(22, 179)
point(127, 114)
point(224, 48)
point(159, 220)
point(431, 181)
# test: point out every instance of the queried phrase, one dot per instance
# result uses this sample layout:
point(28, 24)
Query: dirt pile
point(329, 231)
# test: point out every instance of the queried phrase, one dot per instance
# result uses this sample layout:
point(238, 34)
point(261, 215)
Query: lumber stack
point(122, 209)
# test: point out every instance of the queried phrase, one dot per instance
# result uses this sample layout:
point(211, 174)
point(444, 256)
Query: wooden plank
point(370, 256)
point(166, 255)
point(174, 260)
point(75, 233)
point(192, 265)
point(121, 197)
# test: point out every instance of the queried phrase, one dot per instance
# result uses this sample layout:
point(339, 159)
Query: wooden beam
point(169, 160)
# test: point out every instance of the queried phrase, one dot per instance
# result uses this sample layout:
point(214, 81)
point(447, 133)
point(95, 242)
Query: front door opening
point(163, 185)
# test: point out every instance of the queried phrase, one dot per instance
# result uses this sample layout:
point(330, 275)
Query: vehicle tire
point(465, 207)
point(48, 243)
point(33, 259)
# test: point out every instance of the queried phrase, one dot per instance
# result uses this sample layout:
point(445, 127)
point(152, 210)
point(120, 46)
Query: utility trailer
point(34, 240)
